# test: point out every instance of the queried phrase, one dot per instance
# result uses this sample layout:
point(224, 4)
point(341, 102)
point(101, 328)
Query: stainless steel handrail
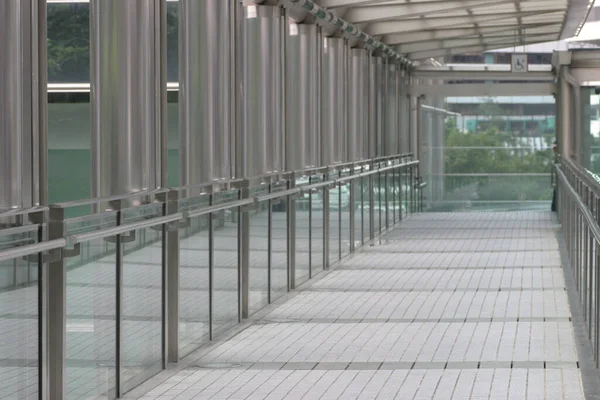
point(30, 249)
point(220, 207)
point(591, 222)
point(118, 230)
point(581, 173)
point(276, 195)
point(88, 202)
point(104, 233)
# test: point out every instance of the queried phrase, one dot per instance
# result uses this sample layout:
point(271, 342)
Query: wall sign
point(519, 63)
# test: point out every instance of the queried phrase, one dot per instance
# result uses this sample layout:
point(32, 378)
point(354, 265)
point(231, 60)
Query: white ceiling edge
point(575, 19)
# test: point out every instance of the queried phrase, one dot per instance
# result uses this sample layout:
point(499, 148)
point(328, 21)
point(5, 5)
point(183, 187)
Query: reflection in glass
point(259, 253)
point(358, 211)
point(279, 253)
point(142, 300)
point(303, 255)
point(19, 320)
point(91, 311)
point(335, 200)
point(225, 270)
point(346, 205)
point(194, 258)
point(316, 230)
point(366, 209)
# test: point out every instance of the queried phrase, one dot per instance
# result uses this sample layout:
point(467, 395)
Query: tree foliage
point(493, 152)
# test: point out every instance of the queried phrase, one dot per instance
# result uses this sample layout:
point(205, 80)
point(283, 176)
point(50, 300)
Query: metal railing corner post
point(172, 277)
point(56, 300)
point(291, 229)
point(244, 256)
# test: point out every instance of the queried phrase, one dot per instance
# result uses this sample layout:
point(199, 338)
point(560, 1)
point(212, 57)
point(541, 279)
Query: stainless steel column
point(205, 91)
point(372, 151)
point(128, 95)
point(358, 80)
point(334, 102)
point(23, 177)
point(404, 105)
point(392, 110)
point(414, 125)
point(302, 107)
point(263, 86)
point(379, 93)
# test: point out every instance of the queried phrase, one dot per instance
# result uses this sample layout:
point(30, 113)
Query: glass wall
point(69, 122)
point(590, 128)
point(488, 154)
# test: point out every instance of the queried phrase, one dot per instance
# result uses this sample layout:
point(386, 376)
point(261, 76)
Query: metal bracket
point(54, 255)
point(173, 226)
point(276, 202)
point(251, 207)
point(125, 238)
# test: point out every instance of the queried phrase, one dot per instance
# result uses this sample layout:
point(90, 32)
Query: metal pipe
point(358, 100)
point(22, 104)
point(30, 249)
point(128, 91)
point(205, 103)
point(303, 47)
point(334, 89)
point(263, 88)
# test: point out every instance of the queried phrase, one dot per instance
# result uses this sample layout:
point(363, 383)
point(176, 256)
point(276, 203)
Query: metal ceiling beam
point(471, 41)
point(420, 55)
point(333, 4)
point(450, 8)
point(483, 89)
point(407, 10)
point(445, 75)
point(453, 33)
point(420, 24)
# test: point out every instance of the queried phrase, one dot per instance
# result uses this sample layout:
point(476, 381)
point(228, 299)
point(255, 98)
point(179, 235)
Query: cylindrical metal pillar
point(128, 95)
point(358, 81)
point(334, 89)
point(379, 98)
point(391, 126)
point(205, 90)
point(263, 68)
point(302, 140)
point(404, 113)
point(23, 182)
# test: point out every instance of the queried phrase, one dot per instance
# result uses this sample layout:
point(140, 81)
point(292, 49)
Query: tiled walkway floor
point(448, 306)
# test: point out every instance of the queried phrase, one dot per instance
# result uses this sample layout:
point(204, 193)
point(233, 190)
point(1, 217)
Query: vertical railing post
point(244, 255)
point(56, 284)
point(171, 252)
point(326, 225)
point(291, 229)
point(372, 203)
point(352, 223)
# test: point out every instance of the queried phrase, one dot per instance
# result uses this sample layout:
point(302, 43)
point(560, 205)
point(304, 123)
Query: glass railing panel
point(378, 202)
point(345, 215)
point(366, 216)
point(492, 192)
point(336, 203)
point(316, 227)
point(194, 259)
point(259, 253)
point(358, 212)
point(19, 319)
point(279, 243)
point(225, 267)
point(91, 311)
point(302, 261)
point(142, 289)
